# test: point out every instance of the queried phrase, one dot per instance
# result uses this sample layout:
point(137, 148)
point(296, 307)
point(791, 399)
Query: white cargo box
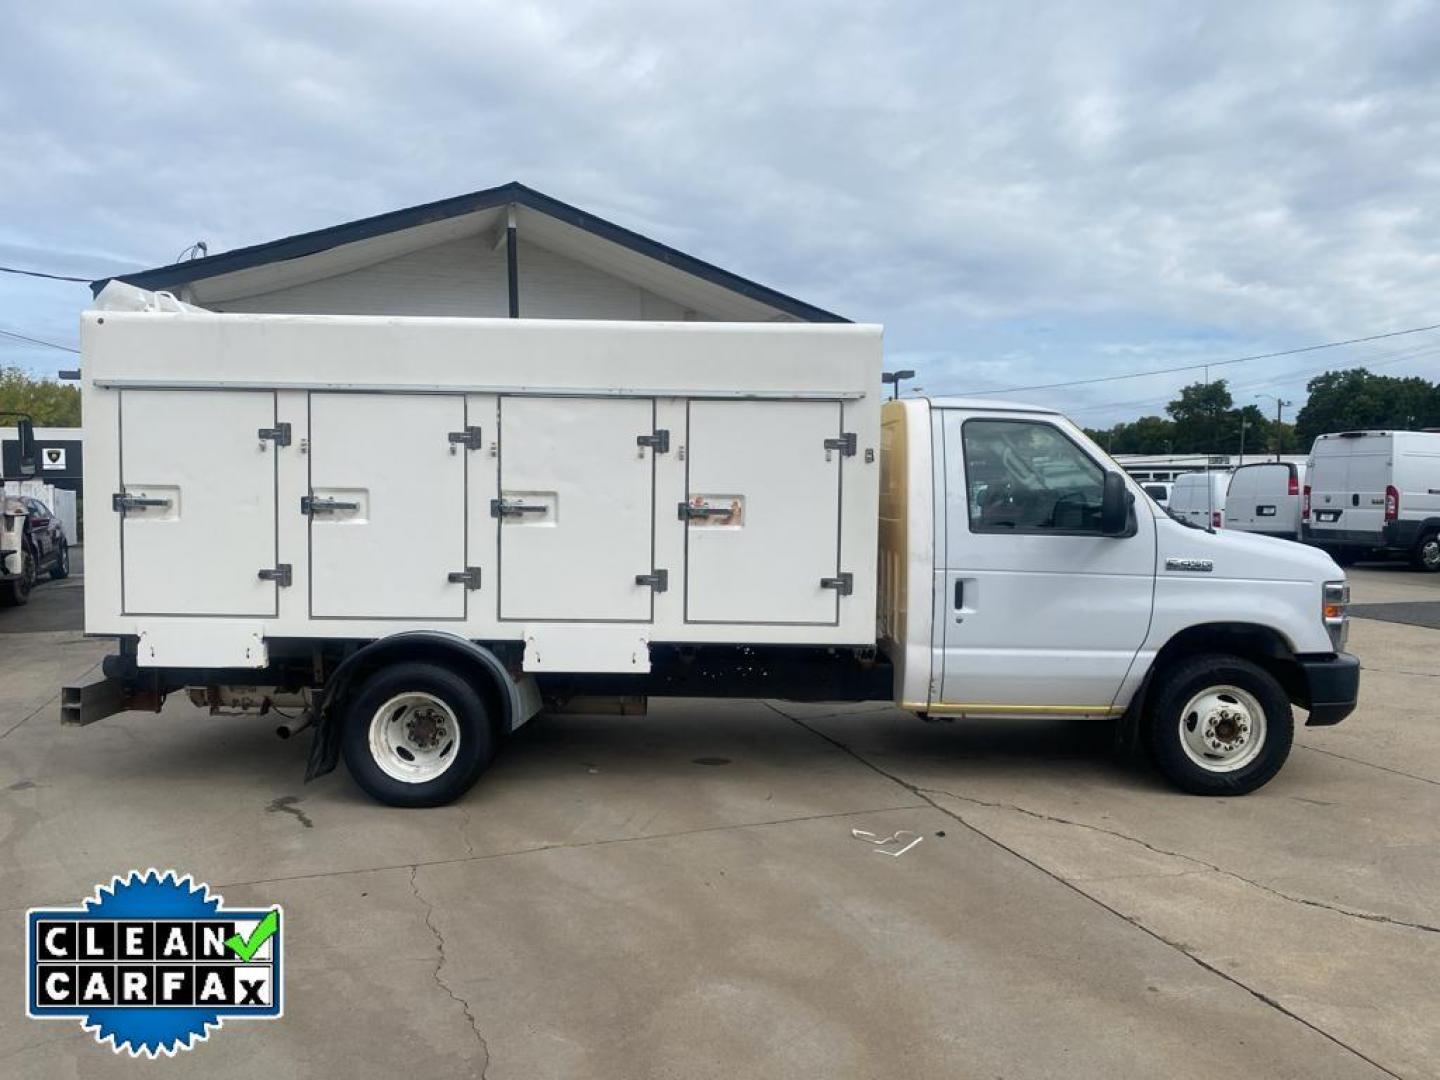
point(583, 487)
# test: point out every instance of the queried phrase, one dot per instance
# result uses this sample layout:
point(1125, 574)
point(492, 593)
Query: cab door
point(1042, 613)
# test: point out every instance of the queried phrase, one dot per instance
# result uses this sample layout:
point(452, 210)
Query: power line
point(1208, 364)
point(42, 274)
point(37, 341)
point(1379, 360)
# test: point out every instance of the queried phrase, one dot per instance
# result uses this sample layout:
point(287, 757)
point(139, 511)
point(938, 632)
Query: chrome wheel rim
point(65, 560)
point(1430, 553)
point(414, 737)
point(1222, 729)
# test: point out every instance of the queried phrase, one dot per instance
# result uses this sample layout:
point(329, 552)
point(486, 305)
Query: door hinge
point(280, 575)
point(279, 434)
point(659, 580)
point(469, 577)
point(469, 438)
point(842, 583)
point(120, 502)
point(310, 505)
point(847, 443)
point(659, 442)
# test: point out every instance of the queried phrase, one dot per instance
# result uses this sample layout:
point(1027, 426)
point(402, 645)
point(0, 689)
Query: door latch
point(120, 502)
point(687, 511)
point(500, 508)
point(658, 442)
point(310, 505)
point(659, 580)
point(280, 575)
point(279, 434)
point(469, 438)
point(843, 583)
point(847, 444)
point(469, 577)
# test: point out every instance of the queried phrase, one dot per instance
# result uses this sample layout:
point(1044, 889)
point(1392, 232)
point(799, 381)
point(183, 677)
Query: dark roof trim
point(311, 243)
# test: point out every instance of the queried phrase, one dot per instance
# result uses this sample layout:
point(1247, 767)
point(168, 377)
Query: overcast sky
point(1021, 193)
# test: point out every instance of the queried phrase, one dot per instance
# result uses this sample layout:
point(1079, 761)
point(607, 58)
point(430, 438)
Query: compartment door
point(199, 490)
point(387, 516)
point(763, 520)
point(576, 509)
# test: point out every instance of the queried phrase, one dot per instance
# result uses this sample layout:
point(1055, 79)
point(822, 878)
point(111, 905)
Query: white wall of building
point(468, 277)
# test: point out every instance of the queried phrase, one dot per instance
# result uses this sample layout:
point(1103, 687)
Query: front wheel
point(61, 569)
point(417, 734)
point(1219, 725)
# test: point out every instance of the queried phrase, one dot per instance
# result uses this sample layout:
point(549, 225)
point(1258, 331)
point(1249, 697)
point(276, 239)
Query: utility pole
point(1280, 405)
point(1244, 423)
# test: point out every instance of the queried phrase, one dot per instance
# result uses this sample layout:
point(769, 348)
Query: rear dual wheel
point(417, 734)
point(1219, 725)
point(1427, 553)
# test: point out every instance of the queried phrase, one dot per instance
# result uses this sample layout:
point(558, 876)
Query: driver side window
point(1026, 476)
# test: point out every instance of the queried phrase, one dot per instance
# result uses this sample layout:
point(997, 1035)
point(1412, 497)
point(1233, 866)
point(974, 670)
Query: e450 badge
point(152, 963)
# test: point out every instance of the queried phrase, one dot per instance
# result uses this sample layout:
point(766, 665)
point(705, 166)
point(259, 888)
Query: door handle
point(501, 508)
point(310, 505)
point(959, 593)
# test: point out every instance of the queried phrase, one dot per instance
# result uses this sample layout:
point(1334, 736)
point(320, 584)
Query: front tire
point(61, 569)
point(1219, 725)
point(417, 734)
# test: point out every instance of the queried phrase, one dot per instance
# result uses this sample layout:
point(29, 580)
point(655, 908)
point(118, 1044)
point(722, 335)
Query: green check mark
point(244, 948)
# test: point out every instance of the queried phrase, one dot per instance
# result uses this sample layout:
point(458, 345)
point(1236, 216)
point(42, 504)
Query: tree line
point(47, 402)
point(1205, 420)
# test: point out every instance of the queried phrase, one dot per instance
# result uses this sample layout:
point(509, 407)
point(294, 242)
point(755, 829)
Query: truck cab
point(1023, 574)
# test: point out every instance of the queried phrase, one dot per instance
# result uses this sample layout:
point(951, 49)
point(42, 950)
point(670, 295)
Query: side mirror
point(1115, 503)
point(25, 436)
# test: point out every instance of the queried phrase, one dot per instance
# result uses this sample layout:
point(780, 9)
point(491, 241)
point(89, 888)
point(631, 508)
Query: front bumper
point(1332, 686)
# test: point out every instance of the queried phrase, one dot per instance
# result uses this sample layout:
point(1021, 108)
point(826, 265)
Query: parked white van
point(1265, 498)
point(1198, 498)
point(1159, 490)
point(1375, 491)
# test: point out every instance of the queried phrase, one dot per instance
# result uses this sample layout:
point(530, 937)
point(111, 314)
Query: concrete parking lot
point(680, 894)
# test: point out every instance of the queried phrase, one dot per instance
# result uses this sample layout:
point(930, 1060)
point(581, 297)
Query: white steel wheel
point(1222, 728)
point(414, 737)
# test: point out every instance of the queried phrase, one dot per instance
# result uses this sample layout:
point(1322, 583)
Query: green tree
point(1203, 420)
point(1355, 399)
point(49, 403)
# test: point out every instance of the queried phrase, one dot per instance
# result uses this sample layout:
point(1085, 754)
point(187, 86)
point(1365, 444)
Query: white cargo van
point(1375, 492)
point(419, 531)
point(1198, 498)
point(1265, 498)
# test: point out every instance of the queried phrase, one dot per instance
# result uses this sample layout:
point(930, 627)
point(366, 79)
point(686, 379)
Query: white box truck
point(1374, 492)
point(421, 531)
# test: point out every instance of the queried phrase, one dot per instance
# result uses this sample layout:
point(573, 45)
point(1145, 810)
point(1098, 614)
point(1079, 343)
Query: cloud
point(1022, 193)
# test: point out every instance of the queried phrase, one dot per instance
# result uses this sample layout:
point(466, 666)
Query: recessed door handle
point(959, 594)
point(310, 505)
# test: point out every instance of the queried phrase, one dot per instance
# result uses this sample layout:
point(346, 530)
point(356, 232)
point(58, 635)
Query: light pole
point(1280, 405)
point(1244, 423)
point(893, 379)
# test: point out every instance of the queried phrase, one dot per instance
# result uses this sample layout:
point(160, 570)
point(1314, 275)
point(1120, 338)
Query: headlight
point(1335, 610)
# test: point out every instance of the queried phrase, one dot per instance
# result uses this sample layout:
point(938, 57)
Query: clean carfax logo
point(152, 962)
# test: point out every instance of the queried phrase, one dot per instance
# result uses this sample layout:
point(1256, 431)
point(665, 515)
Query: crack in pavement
point(1075, 888)
point(1369, 764)
point(440, 965)
point(1368, 916)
